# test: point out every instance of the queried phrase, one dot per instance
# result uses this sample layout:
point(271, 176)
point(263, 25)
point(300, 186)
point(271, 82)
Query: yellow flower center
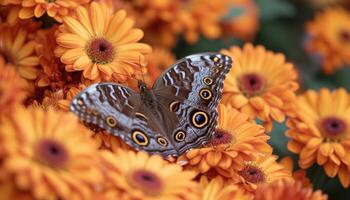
point(251, 84)
point(52, 153)
point(147, 181)
point(252, 174)
point(333, 127)
point(100, 51)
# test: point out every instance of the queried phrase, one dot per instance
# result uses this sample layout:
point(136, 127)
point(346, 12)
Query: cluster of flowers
point(46, 153)
point(330, 46)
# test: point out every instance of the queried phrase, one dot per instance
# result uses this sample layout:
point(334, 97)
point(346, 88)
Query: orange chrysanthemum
point(284, 190)
point(53, 73)
point(101, 44)
point(55, 9)
point(18, 50)
point(217, 189)
point(236, 140)
point(139, 176)
point(158, 61)
point(50, 154)
point(263, 170)
point(298, 175)
point(246, 23)
point(320, 132)
point(331, 44)
point(200, 16)
point(13, 89)
point(261, 84)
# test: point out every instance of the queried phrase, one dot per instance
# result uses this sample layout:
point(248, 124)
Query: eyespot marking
point(199, 119)
point(140, 138)
point(205, 94)
point(111, 121)
point(162, 141)
point(207, 80)
point(180, 136)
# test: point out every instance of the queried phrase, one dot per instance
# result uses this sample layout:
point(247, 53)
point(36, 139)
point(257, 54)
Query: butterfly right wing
point(116, 109)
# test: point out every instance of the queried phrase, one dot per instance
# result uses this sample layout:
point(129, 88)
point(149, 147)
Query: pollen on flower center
point(333, 127)
point(146, 181)
point(252, 174)
point(251, 84)
point(100, 51)
point(52, 153)
point(221, 136)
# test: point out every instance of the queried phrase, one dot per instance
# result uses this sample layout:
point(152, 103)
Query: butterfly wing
point(116, 109)
point(191, 90)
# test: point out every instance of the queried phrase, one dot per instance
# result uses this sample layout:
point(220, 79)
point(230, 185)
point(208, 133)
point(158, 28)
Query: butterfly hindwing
point(116, 109)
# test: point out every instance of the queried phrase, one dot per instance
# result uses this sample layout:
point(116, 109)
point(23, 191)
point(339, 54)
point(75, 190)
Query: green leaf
point(235, 11)
point(272, 9)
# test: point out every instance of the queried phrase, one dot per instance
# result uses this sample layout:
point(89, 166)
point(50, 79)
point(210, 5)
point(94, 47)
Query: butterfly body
point(178, 113)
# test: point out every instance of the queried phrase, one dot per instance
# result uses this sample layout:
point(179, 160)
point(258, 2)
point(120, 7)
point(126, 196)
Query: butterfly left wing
point(117, 109)
point(191, 89)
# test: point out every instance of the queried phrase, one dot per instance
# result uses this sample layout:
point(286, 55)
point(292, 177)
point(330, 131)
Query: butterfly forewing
point(178, 114)
point(196, 83)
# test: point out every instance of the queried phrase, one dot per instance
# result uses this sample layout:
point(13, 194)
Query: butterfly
point(177, 114)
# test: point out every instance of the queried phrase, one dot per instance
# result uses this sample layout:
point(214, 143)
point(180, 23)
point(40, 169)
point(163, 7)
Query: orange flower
point(55, 9)
point(321, 131)
point(331, 44)
point(246, 23)
point(18, 50)
point(261, 84)
point(284, 190)
point(50, 154)
point(217, 189)
point(102, 45)
point(53, 72)
point(298, 175)
point(142, 177)
point(263, 170)
point(236, 140)
point(200, 16)
point(13, 89)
